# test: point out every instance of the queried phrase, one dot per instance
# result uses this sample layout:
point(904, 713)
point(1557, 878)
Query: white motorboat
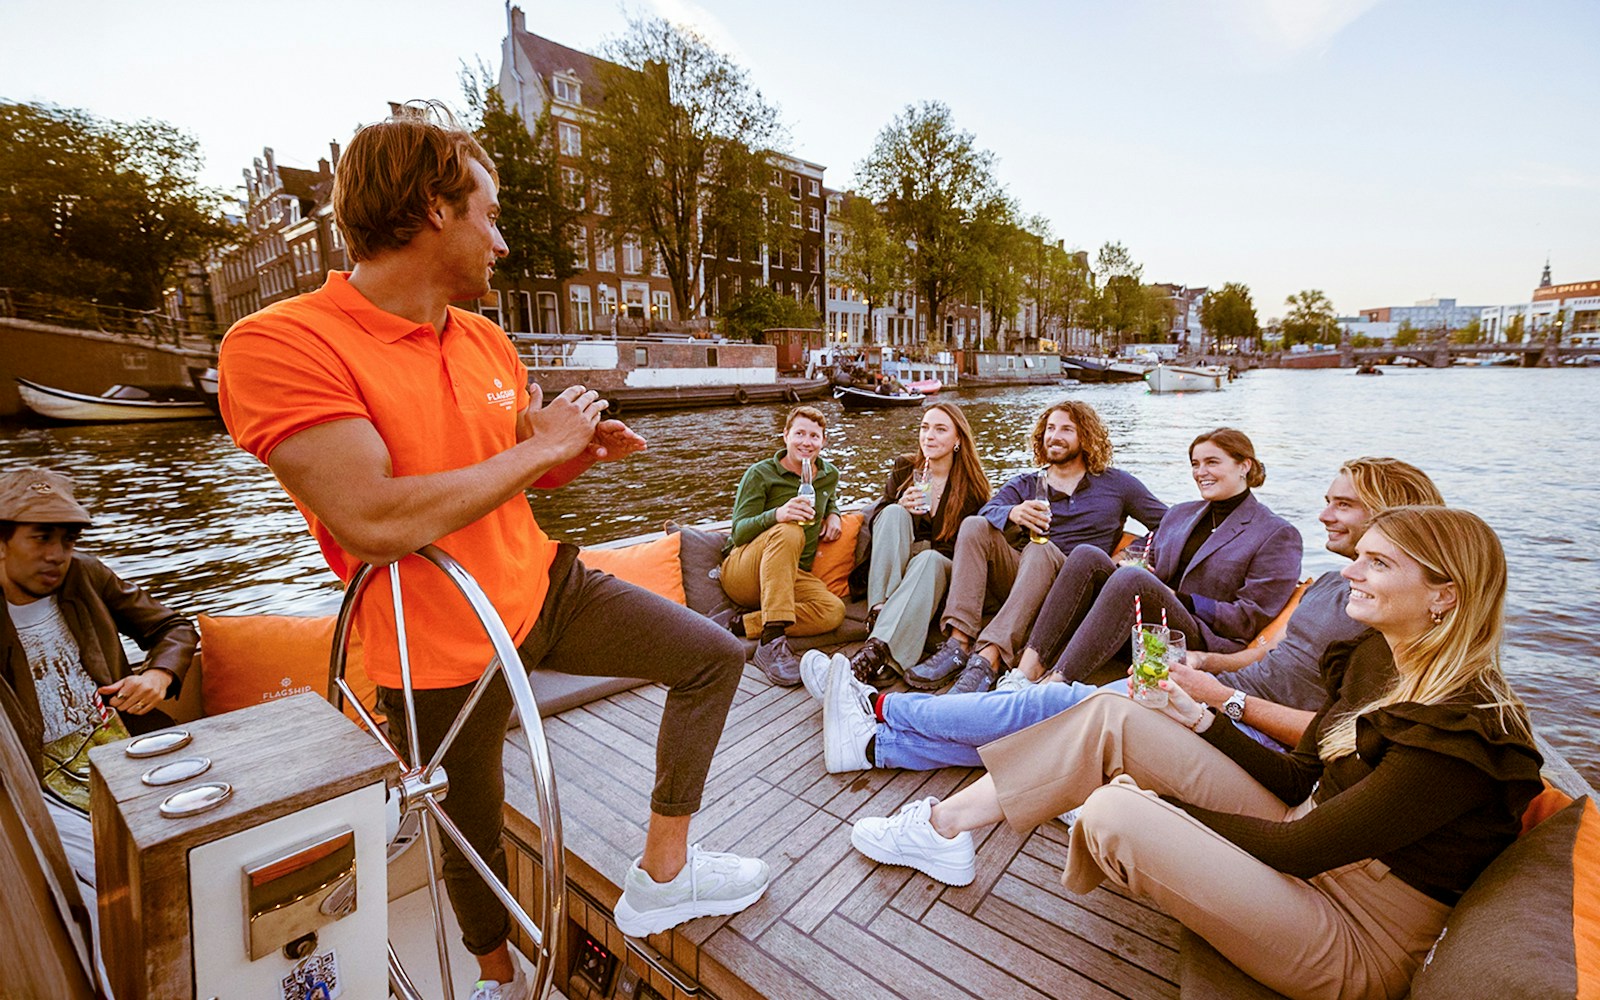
point(1175, 378)
point(118, 404)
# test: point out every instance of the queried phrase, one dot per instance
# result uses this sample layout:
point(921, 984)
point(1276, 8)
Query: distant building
point(1186, 329)
point(1428, 314)
point(291, 240)
point(627, 280)
point(1572, 310)
point(846, 308)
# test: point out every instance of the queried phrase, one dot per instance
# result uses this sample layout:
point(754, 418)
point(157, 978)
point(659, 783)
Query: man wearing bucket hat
point(67, 684)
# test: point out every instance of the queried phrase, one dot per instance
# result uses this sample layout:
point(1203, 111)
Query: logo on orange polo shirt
point(506, 398)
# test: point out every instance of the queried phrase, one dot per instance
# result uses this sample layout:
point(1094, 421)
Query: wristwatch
point(1233, 708)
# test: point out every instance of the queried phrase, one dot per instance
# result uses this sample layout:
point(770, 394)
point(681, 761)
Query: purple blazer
point(1240, 578)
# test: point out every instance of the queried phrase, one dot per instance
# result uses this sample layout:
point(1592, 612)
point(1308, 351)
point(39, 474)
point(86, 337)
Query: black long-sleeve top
point(1435, 792)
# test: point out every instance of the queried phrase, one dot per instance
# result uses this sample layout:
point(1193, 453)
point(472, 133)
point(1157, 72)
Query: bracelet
point(1203, 723)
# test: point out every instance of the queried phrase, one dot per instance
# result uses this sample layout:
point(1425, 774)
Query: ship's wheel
point(424, 783)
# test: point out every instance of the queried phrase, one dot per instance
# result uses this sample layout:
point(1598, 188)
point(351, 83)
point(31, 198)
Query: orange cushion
point(1275, 628)
point(1544, 805)
point(652, 565)
point(251, 659)
point(837, 558)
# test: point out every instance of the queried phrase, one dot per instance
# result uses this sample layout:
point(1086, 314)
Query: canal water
point(206, 528)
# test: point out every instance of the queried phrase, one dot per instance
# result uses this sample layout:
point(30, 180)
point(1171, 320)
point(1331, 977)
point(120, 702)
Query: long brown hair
point(967, 486)
point(1093, 437)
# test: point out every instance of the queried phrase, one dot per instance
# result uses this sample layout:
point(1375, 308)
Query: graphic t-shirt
point(65, 690)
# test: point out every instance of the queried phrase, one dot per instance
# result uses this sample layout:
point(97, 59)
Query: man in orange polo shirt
point(394, 421)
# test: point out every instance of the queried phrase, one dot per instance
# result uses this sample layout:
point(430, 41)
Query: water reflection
point(180, 509)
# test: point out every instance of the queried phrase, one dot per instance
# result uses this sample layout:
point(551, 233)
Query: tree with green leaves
point(1310, 320)
point(1229, 315)
point(1516, 328)
point(538, 215)
point(759, 308)
point(868, 259)
point(1062, 289)
point(1157, 312)
point(96, 208)
point(681, 140)
point(1405, 335)
point(1121, 303)
point(933, 182)
point(1469, 334)
point(1004, 259)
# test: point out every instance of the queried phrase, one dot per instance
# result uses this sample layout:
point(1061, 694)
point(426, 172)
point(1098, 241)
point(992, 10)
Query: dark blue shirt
point(1092, 514)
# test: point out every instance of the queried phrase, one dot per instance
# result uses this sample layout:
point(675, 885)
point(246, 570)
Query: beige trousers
point(765, 573)
point(1355, 931)
point(989, 572)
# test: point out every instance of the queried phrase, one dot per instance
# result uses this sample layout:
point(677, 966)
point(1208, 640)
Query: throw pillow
point(700, 553)
point(1529, 928)
point(652, 565)
point(250, 659)
point(837, 558)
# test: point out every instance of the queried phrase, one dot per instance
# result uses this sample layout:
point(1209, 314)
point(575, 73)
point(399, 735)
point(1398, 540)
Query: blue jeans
point(924, 732)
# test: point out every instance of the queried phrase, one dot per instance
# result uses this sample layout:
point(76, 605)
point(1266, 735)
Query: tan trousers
point(1356, 931)
point(989, 572)
point(765, 573)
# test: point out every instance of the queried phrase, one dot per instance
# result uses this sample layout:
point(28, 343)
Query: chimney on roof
point(518, 23)
point(323, 170)
point(333, 148)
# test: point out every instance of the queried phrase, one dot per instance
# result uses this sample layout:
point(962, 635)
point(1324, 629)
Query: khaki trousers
point(765, 573)
point(989, 572)
point(1355, 931)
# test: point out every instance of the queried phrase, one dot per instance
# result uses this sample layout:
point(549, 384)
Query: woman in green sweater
point(767, 561)
point(1324, 872)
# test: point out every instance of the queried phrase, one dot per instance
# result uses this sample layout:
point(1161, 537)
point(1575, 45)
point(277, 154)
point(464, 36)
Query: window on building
point(582, 315)
point(605, 253)
point(521, 309)
point(567, 89)
point(572, 181)
point(711, 357)
point(632, 255)
point(571, 139)
point(794, 186)
point(580, 247)
point(661, 306)
point(777, 177)
point(549, 315)
point(658, 264)
point(816, 260)
point(608, 300)
point(814, 187)
point(815, 219)
point(489, 306)
point(602, 197)
point(794, 216)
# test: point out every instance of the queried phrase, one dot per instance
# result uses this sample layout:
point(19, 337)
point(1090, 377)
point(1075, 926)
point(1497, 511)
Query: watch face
point(1234, 707)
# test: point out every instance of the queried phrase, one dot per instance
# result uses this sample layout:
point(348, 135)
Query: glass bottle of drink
point(1041, 499)
point(807, 491)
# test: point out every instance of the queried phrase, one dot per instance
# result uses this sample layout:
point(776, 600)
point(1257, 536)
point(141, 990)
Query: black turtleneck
point(1215, 513)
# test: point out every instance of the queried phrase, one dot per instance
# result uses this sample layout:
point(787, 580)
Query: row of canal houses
point(621, 290)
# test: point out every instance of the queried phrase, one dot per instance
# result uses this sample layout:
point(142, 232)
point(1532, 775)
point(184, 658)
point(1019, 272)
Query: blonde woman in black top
point(1325, 872)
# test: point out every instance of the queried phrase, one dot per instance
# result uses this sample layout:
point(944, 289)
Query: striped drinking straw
point(1163, 617)
point(100, 706)
point(1138, 618)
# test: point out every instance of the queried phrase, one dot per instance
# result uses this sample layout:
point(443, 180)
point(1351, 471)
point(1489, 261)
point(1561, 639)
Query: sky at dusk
point(1384, 151)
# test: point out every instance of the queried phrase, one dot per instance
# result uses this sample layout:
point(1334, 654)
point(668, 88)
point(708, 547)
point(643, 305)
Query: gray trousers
point(908, 583)
point(594, 625)
point(990, 573)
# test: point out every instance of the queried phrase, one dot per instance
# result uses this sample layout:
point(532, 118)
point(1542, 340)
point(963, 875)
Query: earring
point(958, 446)
point(1437, 616)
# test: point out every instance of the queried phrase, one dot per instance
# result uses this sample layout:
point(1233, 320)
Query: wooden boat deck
point(833, 923)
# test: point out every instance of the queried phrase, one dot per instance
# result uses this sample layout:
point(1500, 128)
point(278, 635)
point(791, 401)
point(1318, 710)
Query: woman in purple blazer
point(1221, 568)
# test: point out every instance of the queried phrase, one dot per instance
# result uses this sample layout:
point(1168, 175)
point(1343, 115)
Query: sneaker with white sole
point(1013, 680)
point(814, 671)
point(908, 838)
point(848, 722)
point(518, 989)
point(711, 884)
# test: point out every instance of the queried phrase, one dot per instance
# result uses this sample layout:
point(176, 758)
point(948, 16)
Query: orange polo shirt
point(440, 401)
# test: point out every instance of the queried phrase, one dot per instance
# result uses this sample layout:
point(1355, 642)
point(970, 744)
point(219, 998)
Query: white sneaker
point(518, 989)
point(1070, 817)
point(908, 838)
point(1013, 680)
point(848, 722)
point(814, 671)
point(711, 884)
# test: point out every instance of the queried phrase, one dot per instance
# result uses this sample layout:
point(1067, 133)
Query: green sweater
point(766, 486)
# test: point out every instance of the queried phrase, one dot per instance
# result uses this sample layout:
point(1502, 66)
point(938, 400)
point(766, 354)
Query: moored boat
point(204, 381)
point(1177, 378)
point(852, 398)
point(118, 404)
point(1102, 369)
point(927, 386)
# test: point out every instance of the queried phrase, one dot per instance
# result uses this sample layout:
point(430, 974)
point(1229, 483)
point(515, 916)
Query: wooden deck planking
point(834, 924)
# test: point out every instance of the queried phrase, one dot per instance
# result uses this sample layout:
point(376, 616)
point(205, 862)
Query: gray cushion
point(700, 554)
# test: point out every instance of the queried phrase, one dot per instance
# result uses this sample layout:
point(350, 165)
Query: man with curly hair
point(998, 570)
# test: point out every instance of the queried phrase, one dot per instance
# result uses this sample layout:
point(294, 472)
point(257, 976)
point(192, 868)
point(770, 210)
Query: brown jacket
point(97, 606)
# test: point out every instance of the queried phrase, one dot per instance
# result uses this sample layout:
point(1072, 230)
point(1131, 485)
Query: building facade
point(1428, 314)
point(1570, 311)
